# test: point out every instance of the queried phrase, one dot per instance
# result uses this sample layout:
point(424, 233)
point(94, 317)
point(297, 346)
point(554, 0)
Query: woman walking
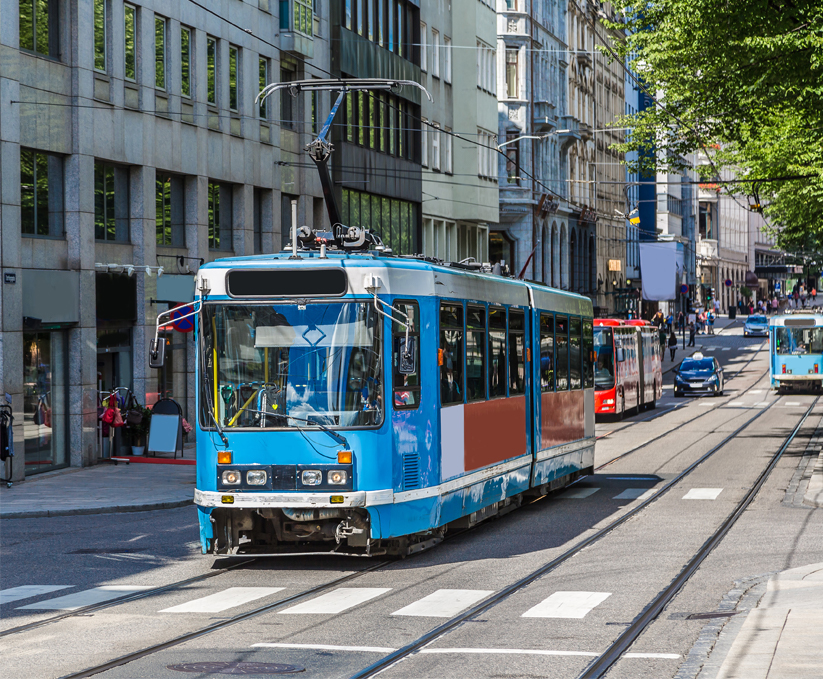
point(672, 344)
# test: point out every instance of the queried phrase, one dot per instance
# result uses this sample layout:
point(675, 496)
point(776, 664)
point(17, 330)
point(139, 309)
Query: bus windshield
point(291, 365)
point(604, 367)
point(799, 340)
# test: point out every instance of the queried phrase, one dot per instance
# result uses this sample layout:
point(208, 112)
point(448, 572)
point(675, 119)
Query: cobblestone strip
point(796, 490)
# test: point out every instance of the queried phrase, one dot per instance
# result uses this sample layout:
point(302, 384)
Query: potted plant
point(140, 431)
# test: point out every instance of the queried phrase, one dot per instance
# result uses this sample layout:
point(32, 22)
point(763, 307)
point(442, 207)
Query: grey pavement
point(99, 490)
point(783, 637)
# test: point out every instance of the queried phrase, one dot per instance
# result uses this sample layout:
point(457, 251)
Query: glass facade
point(395, 221)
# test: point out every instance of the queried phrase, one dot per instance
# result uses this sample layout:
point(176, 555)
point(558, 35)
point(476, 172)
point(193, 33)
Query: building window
point(302, 20)
point(41, 194)
point(263, 71)
point(258, 221)
point(512, 89)
point(160, 53)
point(436, 147)
point(286, 100)
point(220, 216)
point(400, 27)
point(390, 22)
point(512, 158)
point(111, 203)
point(234, 58)
point(39, 27)
point(423, 48)
point(347, 19)
point(424, 142)
point(447, 151)
point(169, 218)
point(99, 35)
point(130, 42)
point(185, 61)
point(447, 59)
point(435, 53)
point(395, 221)
point(211, 70)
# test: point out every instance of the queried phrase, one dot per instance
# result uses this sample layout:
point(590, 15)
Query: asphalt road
point(554, 627)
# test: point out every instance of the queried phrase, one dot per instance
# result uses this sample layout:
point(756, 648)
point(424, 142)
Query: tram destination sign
point(286, 283)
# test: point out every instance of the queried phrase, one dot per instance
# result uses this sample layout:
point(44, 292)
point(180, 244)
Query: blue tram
point(365, 403)
point(796, 351)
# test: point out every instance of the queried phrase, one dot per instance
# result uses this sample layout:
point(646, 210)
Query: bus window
point(574, 354)
point(517, 352)
point(406, 385)
point(476, 353)
point(497, 352)
point(604, 341)
point(562, 340)
point(546, 352)
point(450, 352)
point(588, 346)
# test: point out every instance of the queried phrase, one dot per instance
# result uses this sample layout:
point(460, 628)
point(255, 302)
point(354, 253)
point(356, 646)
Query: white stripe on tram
point(444, 603)
point(221, 601)
point(97, 595)
point(567, 605)
point(28, 591)
point(337, 601)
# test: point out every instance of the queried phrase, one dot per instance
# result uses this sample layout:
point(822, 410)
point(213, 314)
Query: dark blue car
point(699, 375)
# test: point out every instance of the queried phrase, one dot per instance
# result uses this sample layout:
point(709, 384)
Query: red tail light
point(784, 368)
point(816, 370)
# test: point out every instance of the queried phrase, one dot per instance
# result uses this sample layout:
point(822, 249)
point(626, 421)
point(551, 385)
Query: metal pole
point(683, 326)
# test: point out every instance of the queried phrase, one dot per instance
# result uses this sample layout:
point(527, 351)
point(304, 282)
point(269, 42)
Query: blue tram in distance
point(796, 351)
point(364, 403)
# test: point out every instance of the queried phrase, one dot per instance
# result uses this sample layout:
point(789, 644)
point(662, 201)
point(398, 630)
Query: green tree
point(742, 83)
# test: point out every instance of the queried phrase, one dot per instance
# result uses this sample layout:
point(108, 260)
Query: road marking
point(635, 494)
point(444, 603)
point(97, 595)
point(735, 403)
point(756, 391)
point(481, 651)
point(567, 605)
point(762, 403)
point(337, 601)
point(578, 493)
point(703, 494)
point(221, 601)
point(28, 591)
point(707, 404)
point(726, 349)
point(792, 403)
point(325, 647)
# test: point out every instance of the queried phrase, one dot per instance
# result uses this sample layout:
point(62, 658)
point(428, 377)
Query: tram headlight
point(231, 477)
point(311, 477)
point(338, 477)
point(256, 477)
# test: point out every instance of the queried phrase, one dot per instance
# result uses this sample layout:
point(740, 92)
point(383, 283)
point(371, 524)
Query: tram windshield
point(291, 365)
point(604, 367)
point(799, 341)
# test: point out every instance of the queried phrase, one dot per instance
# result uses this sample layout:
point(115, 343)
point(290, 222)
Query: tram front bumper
point(255, 500)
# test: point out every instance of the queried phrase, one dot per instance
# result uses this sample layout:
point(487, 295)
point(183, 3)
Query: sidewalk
point(783, 637)
point(700, 341)
point(101, 489)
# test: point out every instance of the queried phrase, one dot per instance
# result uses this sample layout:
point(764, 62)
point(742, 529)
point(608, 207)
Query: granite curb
point(113, 509)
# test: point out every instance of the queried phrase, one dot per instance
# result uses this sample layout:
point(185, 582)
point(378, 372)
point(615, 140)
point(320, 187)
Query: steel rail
point(176, 641)
point(410, 649)
point(604, 662)
point(126, 598)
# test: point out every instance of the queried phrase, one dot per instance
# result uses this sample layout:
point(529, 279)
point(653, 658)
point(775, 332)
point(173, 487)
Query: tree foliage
point(740, 82)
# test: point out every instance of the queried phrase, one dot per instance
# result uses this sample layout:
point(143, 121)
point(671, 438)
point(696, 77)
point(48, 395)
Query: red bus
point(628, 374)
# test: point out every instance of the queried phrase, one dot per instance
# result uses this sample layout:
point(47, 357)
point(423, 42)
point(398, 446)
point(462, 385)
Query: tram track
point(433, 635)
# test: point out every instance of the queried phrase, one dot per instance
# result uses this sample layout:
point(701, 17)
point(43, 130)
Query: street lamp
point(532, 136)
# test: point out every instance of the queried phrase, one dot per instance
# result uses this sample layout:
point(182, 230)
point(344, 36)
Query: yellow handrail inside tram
point(237, 414)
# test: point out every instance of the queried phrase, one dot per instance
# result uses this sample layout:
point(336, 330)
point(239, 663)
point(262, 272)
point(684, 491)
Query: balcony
point(584, 59)
point(569, 131)
point(707, 249)
point(585, 131)
point(545, 119)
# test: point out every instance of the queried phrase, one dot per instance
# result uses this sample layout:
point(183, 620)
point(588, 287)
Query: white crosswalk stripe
point(726, 349)
point(567, 605)
point(221, 601)
point(444, 603)
point(792, 403)
point(635, 494)
point(28, 591)
point(735, 403)
point(97, 595)
point(703, 494)
point(578, 493)
point(337, 601)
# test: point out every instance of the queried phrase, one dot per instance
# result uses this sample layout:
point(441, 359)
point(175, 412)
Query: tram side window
point(497, 352)
point(588, 351)
point(562, 340)
point(575, 357)
point(406, 385)
point(546, 352)
point(450, 353)
point(476, 353)
point(517, 352)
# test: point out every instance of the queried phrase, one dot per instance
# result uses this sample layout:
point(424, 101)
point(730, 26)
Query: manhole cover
point(237, 668)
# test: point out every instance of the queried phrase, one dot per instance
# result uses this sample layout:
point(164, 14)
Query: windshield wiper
point(333, 434)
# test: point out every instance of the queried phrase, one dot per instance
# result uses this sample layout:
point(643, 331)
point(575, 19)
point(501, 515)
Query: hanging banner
point(660, 270)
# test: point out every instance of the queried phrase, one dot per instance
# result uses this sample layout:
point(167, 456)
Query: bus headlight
point(231, 477)
point(312, 477)
point(608, 401)
point(256, 477)
point(337, 477)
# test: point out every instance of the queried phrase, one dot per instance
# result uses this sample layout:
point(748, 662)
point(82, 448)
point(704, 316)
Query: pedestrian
point(775, 304)
point(672, 344)
point(681, 319)
point(669, 323)
point(692, 330)
point(710, 321)
point(661, 335)
point(814, 295)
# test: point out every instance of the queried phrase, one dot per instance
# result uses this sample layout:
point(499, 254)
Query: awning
point(751, 278)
